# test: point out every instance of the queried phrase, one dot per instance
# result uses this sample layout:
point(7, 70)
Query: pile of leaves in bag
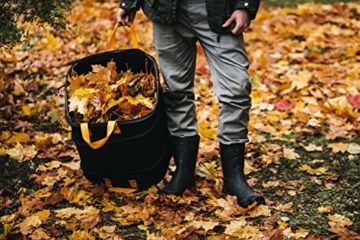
point(105, 94)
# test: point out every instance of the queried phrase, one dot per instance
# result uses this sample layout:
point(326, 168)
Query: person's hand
point(125, 18)
point(242, 21)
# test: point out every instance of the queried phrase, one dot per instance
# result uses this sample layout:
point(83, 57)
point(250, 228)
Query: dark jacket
point(164, 11)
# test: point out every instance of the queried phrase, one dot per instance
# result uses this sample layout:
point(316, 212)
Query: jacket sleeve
point(131, 4)
point(251, 6)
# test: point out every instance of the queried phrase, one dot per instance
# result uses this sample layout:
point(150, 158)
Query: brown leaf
point(339, 221)
point(338, 147)
point(29, 224)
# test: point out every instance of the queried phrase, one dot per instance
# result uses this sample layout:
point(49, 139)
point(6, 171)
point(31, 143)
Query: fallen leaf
point(339, 221)
point(317, 171)
point(354, 100)
point(40, 234)
point(338, 147)
point(312, 147)
point(300, 80)
point(16, 153)
point(284, 105)
point(290, 153)
point(20, 137)
point(43, 215)
point(29, 224)
point(325, 209)
point(81, 235)
point(353, 148)
point(339, 103)
point(301, 234)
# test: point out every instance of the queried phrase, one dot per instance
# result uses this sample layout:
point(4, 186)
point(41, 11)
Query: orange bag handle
point(131, 32)
point(112, 127)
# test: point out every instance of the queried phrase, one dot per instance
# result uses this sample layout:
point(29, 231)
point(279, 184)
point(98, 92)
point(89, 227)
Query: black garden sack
point(139, 156)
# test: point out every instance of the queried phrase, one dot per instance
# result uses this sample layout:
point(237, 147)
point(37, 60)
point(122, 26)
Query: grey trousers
point(228, 62)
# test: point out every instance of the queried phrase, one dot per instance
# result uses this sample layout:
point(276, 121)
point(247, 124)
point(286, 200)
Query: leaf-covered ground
point(304, 153)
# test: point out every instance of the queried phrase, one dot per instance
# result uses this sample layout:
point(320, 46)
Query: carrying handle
point(112, 127)
point(131, 32)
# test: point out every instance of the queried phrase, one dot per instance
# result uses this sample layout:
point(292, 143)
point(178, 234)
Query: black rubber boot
point(185, 151)
point(235, 184)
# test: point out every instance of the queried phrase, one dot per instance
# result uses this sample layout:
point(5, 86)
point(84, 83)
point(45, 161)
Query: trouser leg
point(228, 63)
point(176, 49)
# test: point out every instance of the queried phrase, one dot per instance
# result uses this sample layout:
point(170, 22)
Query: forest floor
point(303, 155)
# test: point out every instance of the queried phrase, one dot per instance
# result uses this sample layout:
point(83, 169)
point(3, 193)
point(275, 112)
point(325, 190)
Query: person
point(218, 26)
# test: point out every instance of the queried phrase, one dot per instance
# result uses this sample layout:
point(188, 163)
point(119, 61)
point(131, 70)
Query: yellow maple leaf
point(301, 233)
point(109, 206)
point(110, 104)
point(300, 80)
point(145, 101)
point(81, 235)
point(20, 153)
point(310, 170)
point(206, 130)
point(339, 103)
point(122, 221)
point(43, 215)
point(245, 232)
point(19, 90)
point(26, 110)
point(16, 152)
point(20, 137)
point(52, 41)
point(84, 92)
point(207, 170)
point(152, 189)
point(81, 196)
point(5, 135)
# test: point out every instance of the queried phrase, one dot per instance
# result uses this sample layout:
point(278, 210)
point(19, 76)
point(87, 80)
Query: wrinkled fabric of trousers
point(228, 63)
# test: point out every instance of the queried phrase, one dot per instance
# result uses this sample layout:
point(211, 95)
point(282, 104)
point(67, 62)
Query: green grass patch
point(338, 188)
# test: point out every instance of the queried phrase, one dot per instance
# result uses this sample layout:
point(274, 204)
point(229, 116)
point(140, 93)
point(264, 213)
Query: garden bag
point(133, 154)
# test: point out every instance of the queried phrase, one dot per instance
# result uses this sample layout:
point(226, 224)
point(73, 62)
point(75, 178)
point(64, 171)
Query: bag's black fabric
point(142, 150)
